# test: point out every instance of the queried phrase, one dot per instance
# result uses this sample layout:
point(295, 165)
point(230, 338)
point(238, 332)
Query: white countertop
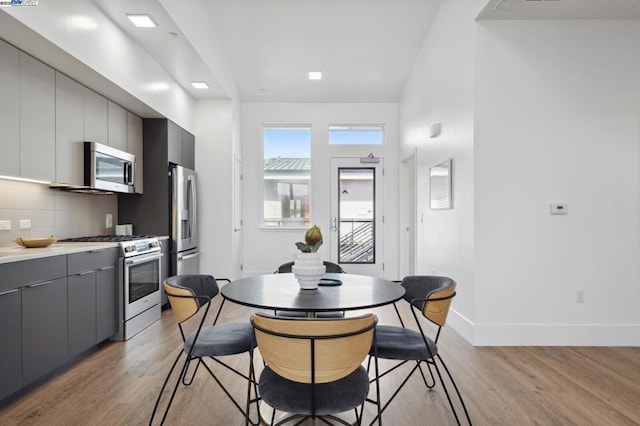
point(18, 253)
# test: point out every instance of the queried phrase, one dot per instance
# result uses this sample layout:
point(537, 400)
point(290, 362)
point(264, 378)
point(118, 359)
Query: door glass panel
point(110, 168)
point(144, 279)
point(356, 215)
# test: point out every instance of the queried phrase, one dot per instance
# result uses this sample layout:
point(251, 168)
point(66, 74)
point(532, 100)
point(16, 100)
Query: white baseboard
point(544, 334)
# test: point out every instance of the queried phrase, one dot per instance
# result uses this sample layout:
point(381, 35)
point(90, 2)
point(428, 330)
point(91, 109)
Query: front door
point(356, 222)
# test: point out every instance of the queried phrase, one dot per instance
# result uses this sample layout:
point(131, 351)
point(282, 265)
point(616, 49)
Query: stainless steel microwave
point(108, 169)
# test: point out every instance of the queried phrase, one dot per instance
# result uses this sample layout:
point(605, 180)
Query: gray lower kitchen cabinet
point(82, 312)
point(69, 130)
point(11, 338)
point(9, 114)
point(94, 279)
point(44, 328)
point(107, 283)
point(37, 119)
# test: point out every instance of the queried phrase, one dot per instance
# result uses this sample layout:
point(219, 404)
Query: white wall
point(214, 163)
point(440, 90)
point(533, 113)
point(265, 249)
point(557, 120)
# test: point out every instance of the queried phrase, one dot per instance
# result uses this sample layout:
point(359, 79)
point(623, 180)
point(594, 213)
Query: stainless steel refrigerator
point(184, 221)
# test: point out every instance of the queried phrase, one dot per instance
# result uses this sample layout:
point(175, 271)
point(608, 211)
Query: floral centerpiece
point(308, 266)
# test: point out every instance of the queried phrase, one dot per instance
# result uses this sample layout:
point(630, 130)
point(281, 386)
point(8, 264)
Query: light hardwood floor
point(118, 384)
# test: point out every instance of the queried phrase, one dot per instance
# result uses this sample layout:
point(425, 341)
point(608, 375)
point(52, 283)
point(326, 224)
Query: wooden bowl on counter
point(35, 242)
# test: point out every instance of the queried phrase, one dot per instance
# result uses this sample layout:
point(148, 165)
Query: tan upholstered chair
point(190, 296)
point(313, 366)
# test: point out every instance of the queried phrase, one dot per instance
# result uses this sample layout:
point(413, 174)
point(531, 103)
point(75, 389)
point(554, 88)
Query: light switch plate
point(5, 225)
point(559, 208)
point(25, 223)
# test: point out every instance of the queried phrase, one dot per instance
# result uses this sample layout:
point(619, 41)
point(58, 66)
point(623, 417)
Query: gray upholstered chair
point(187, 294)
point(431, 297)
point(313, 366)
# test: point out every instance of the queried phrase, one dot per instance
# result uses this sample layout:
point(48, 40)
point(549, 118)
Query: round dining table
point(341, 292)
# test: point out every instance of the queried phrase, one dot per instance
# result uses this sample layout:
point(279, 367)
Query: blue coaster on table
point(329, 282)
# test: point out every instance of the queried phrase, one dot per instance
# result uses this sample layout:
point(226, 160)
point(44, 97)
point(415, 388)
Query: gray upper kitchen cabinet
point(96, 121)
point(9, 112)
point(135, 147)
point(37, 119)
point(188, 150)
point(180, 146)
point(69, 130)
point(117, 126)
point(11, 338)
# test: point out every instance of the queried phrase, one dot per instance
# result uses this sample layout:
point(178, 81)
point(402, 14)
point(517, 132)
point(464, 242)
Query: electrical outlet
point(109, 221)
point(579, 296)
point(25, 223)
point(559, 208)
point(5, 225)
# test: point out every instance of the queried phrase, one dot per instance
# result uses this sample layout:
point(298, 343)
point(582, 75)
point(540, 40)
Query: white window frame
point(302, 224)
point(356, 127)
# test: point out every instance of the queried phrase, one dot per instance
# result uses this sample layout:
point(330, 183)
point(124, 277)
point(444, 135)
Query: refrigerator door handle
point(188, 256)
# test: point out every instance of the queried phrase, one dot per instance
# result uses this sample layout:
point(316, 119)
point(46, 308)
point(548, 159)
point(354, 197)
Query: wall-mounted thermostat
point(559, 209)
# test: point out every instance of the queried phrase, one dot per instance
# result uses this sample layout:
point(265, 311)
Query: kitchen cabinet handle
point(9, 291)
point(39, 284)
point(106, 268)
point(84, 273)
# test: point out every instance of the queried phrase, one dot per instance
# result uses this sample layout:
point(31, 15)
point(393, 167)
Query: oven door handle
point(145, 259)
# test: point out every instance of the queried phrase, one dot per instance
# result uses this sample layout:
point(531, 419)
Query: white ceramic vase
point(308, 269)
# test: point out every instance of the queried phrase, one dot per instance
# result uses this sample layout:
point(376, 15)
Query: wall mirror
point(440, 185)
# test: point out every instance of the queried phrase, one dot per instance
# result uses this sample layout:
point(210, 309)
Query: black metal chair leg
point(175, 388)
point(455, 387)
point(193, 375)
point(164, 385)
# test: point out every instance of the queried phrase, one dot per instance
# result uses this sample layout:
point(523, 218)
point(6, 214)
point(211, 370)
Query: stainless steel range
point(140, 271)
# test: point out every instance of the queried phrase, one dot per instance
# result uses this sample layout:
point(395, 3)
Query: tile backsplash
point(52, 212)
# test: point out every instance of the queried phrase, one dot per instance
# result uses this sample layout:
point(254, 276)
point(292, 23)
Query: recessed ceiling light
point(315, 75)
point(141, 21)
point(200, 84)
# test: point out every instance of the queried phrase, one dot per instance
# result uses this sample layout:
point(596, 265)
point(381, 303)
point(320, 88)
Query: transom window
point(287, 176)
point(356, 135)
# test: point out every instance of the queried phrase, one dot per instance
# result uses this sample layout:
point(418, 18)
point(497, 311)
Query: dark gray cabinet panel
point(188, 150)
point(106, 302)
point(91, 260)
point(18, 274)
point(11, 338)
point(82, 312)
point(44, 328)
point(174, 143)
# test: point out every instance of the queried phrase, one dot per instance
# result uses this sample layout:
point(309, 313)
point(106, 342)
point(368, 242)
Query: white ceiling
point(365, 48)
point(263, 49)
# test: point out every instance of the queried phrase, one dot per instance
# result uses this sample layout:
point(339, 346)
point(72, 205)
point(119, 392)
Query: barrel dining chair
point(429, 296)
point(190, 295)
point(313, 366)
